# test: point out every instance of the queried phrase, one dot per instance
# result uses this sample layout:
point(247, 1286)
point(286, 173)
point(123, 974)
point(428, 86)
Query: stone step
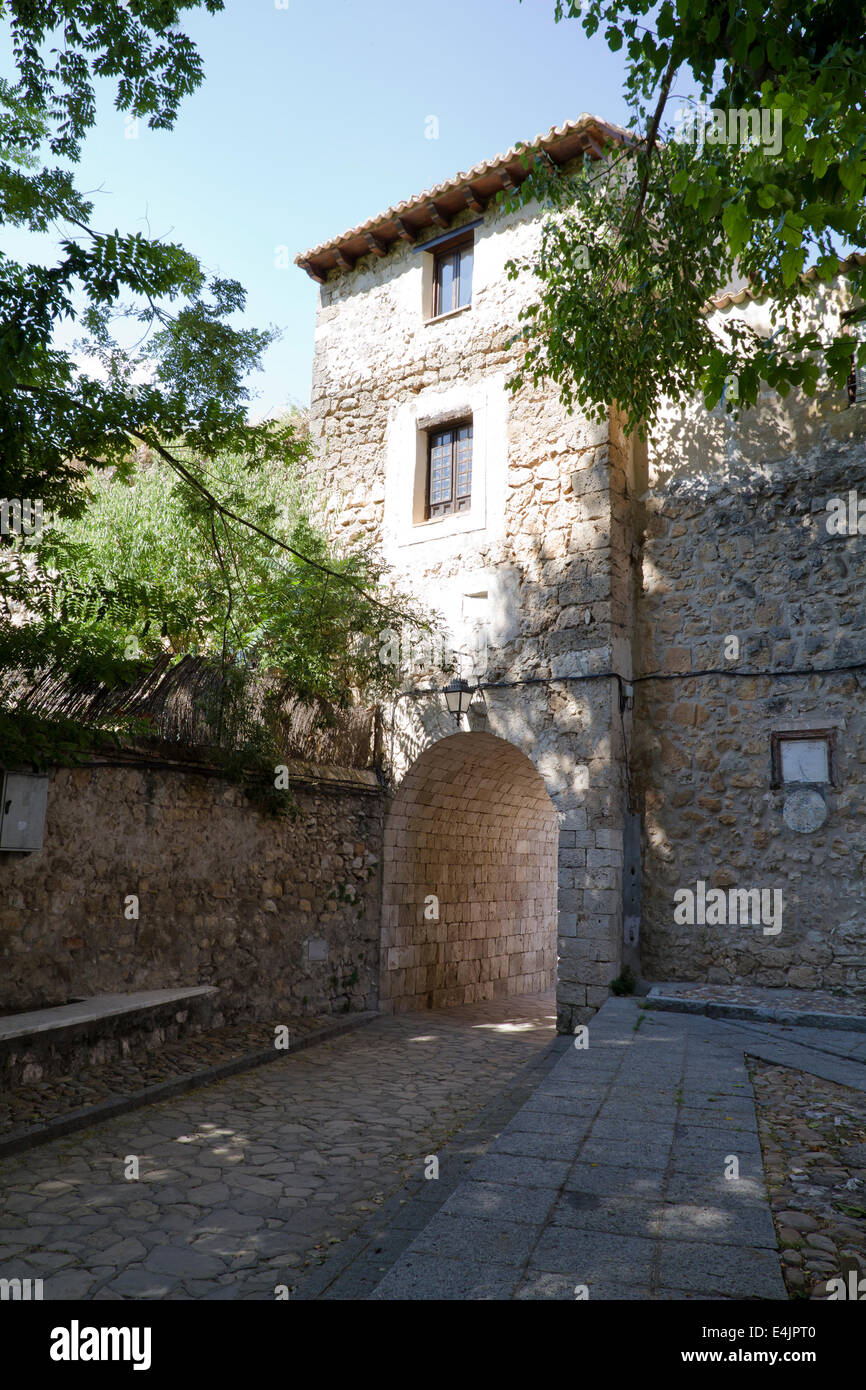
point(761, 1013)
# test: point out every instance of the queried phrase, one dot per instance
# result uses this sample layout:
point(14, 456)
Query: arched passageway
point(470, 878)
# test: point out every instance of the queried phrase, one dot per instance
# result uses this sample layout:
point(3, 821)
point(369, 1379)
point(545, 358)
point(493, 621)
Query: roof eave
point(438, 207)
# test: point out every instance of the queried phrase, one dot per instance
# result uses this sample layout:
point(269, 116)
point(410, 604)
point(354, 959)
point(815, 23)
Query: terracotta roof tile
point(750, 293)
point(437, 206)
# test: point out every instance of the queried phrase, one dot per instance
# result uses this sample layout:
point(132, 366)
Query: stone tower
point(592, 584)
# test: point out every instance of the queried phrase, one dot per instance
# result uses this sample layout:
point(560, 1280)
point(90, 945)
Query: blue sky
point(312, 118)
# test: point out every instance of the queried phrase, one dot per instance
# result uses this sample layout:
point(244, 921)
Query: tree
point(758, 178)
point(188, 378)
point(180, 395)
point(149, 570)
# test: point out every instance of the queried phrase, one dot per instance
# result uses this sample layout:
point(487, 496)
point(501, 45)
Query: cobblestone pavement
point(23, 1107)
point(246, 1184)
point(308, 1173)
point(813, 1137)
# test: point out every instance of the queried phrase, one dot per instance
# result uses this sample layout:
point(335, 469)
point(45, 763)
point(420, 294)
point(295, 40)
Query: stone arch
point(470, 878)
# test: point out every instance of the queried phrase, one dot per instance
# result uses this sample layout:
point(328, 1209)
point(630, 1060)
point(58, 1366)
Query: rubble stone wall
point(738, 546)
point(278, 913)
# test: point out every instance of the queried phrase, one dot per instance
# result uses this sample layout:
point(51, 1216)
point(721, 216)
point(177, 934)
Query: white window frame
point(485, 403)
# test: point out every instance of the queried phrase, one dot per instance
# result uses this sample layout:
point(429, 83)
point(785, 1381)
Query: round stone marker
point(804, 810)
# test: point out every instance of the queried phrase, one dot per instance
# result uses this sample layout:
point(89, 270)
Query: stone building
point(665, 764)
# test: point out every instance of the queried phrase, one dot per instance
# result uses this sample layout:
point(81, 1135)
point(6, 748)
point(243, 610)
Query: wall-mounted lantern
point(458, 697)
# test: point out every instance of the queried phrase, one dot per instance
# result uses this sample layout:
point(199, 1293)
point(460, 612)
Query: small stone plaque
point(804, 811)
point(317, 950)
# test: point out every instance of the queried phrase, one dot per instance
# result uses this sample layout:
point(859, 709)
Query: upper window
point(449, 471)
point(452, 278)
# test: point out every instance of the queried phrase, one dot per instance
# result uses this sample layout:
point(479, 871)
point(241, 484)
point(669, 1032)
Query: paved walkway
point(561, 1170)
point(611, 1181)
point(246, 1183)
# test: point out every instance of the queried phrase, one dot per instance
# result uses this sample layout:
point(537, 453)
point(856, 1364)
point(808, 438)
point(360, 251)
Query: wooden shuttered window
point(856, 384)
point(449, 470)
point(452, 278)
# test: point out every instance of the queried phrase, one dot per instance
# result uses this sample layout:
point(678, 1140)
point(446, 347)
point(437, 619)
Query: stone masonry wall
point(737, 545)
point(534, 567)
point(227, 896)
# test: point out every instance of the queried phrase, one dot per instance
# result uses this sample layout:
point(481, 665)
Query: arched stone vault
point(535, 764)
point(470, 878)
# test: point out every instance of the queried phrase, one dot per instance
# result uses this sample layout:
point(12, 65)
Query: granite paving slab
point(663, 1193)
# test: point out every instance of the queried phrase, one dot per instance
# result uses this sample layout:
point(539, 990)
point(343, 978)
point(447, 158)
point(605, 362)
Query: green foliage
point(629, 260)
point(136, 41)
point(624, 983)
point(151, 568)
point(250, 766)
point(36, 744)
point(851, 1209)
point(344, 984)
point(173, 524)
point(186, 378)
point(64, 412)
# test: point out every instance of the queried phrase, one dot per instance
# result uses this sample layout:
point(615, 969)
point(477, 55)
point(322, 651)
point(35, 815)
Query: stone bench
point(52, 1042)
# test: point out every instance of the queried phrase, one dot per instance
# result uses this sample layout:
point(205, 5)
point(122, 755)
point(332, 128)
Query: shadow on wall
point(741, 573)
